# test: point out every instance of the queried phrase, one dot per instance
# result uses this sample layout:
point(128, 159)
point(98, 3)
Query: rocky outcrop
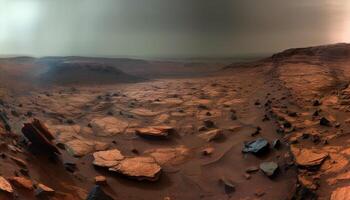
point(40, 137)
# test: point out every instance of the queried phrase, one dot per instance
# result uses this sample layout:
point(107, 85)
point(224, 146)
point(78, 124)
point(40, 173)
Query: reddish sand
point(280, 95)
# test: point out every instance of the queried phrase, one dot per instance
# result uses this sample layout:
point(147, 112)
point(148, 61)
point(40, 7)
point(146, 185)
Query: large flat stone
point(140, 168)
point(108, 158)
point(108, 126)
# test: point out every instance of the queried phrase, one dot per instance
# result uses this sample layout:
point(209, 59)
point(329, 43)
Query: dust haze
point(166, 28)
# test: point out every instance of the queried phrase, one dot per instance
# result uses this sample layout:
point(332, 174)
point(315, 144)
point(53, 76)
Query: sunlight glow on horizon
point(340, 31)
point(17, 19)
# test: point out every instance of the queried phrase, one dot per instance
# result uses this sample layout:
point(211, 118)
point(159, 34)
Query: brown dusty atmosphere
point(274, 129)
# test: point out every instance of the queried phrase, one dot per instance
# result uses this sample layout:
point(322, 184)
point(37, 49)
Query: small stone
point(211, 135)
point(305, 136)
point(257, 146)
point(70, 166)
point(43, 191)
point(276, 144)
point(208, 123)
point(229, 185)
point(22, 182)
point(5, 185)
point(316, 103)
point(287, 125)
point(257, 102)
point(256, 132)
point(19, 161)
point(325, 122)
point(135, 151)
point(337, 125)
point(292, 114)
point(259, 193)
point(266, 118)
point(154, 131)
point(269, 168)
point(100, 180)
point(233, 116)
point(202, 128)
point(247, 176)
point(252, 169)
point(208, 151)
point(24, 172)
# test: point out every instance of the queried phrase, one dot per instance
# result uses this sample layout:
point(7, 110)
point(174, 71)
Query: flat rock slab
point(140, 168)
point(307, 157)
point(257, 146)
point(341, 194)
point(154, 131)
point(108, 126)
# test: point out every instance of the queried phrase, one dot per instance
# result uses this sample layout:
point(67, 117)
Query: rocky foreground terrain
point(271, 129)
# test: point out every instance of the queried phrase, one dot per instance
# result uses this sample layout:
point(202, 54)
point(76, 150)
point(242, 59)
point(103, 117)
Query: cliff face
point(326, 52)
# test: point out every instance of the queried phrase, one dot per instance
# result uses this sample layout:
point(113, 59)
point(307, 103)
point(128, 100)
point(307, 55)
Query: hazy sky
point(169, 28)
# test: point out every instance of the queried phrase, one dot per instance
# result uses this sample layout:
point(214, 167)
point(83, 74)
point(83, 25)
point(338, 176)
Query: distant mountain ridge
point(85, 72)
point(332, 51)
point(325, 53)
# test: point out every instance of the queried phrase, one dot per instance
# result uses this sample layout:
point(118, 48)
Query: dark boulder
point(257, 146)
